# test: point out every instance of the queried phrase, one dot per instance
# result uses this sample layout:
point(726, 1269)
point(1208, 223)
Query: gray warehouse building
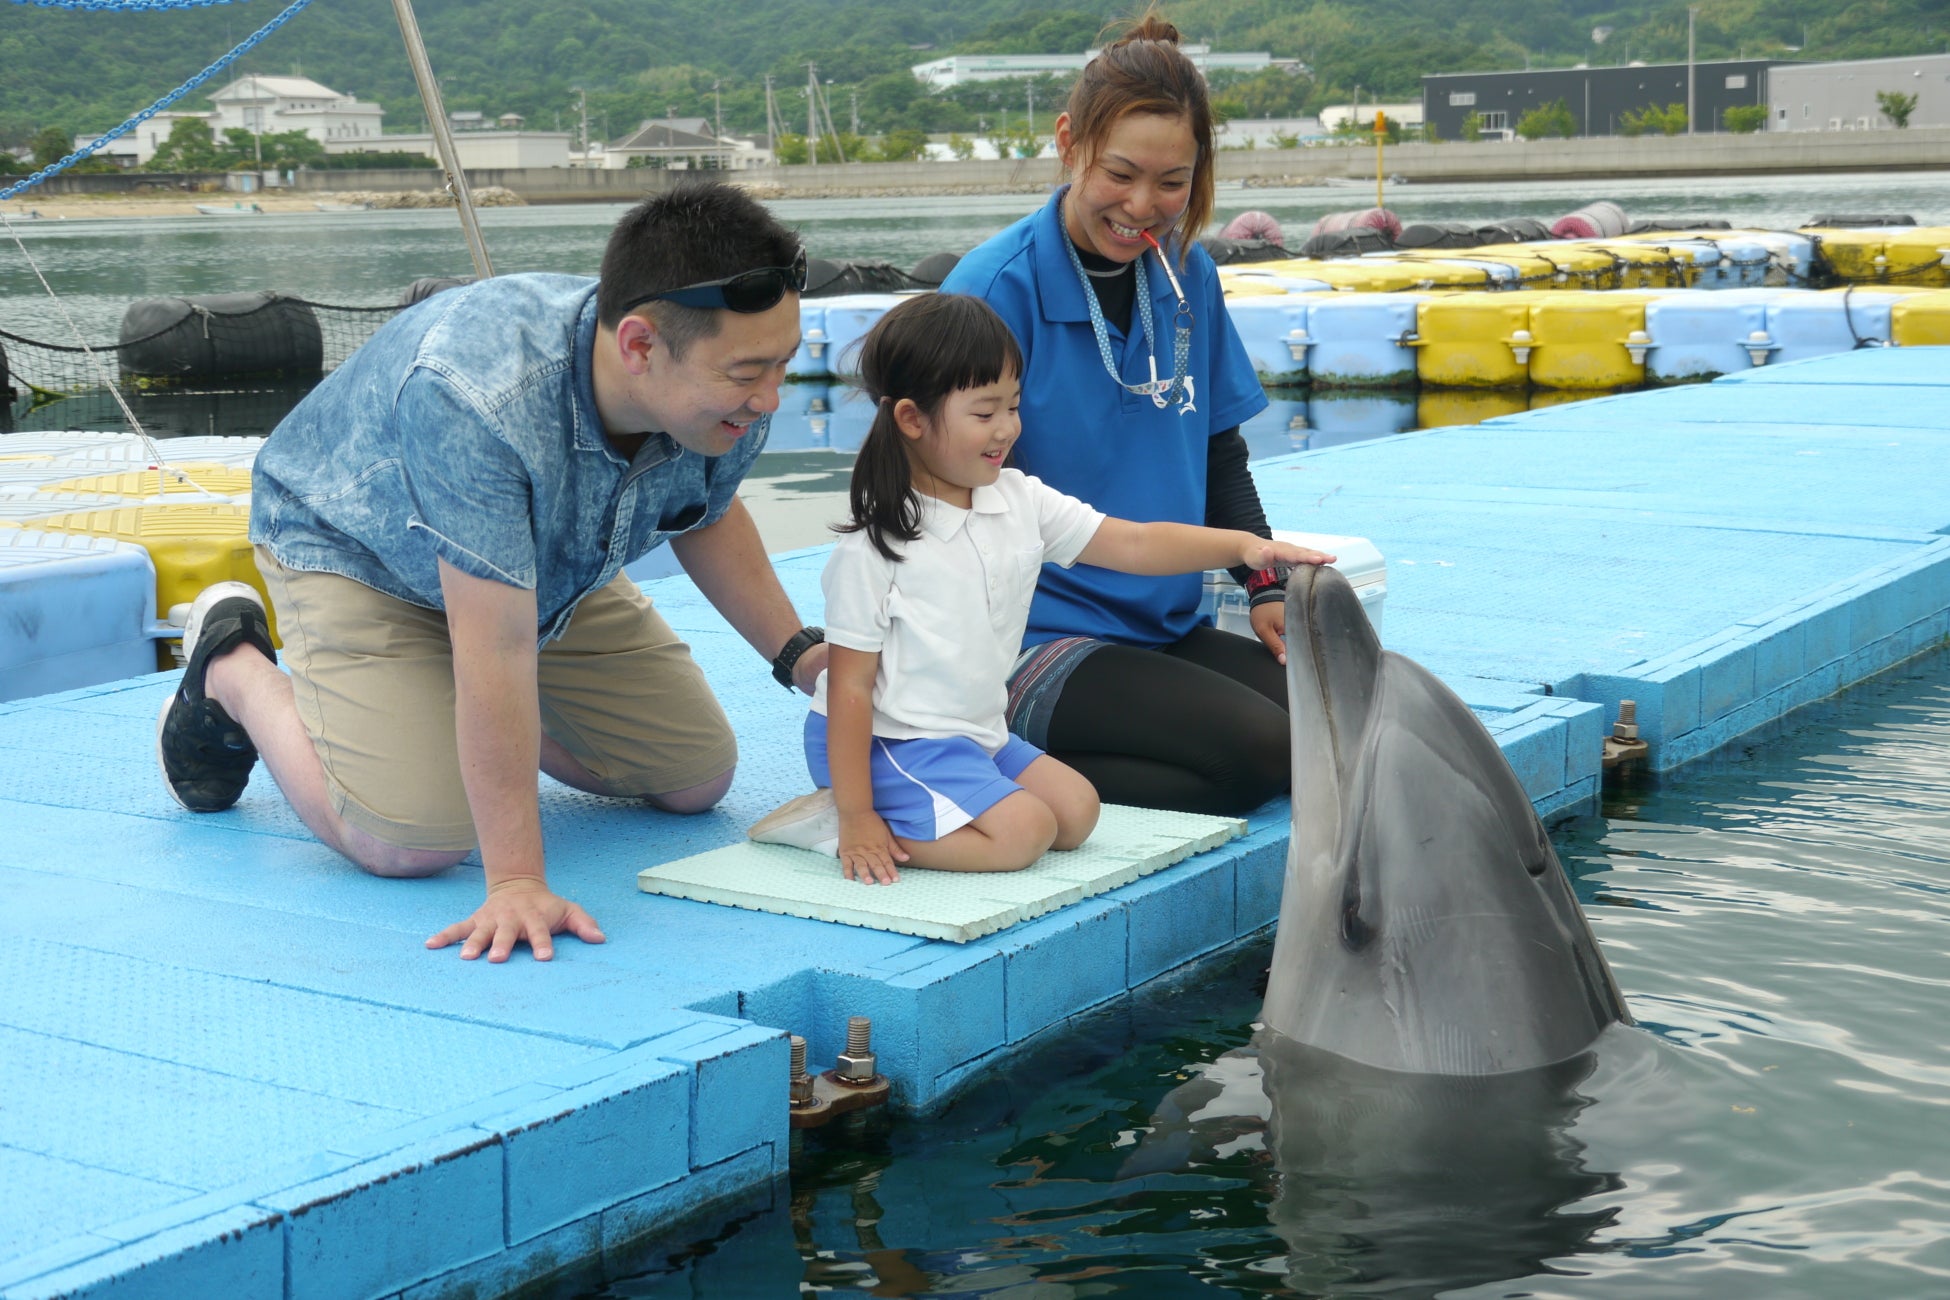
point(1597, 97)
point(1841, 96)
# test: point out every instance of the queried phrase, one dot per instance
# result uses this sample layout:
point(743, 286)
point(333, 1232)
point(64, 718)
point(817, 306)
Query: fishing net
point(216, 343)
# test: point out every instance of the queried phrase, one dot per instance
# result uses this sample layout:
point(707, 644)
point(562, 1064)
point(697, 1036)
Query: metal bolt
point(1628, 718)
point(802, 1084)
point(856, 1064)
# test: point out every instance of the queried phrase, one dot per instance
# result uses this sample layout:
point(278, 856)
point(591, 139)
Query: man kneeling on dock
point(442, 525)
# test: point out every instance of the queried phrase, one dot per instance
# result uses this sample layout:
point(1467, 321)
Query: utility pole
point(257, 131)
point(1692, 12)
point(812, 114)
point(582, 105)
point(1031, 88)
point(854, 96)
point(717, 108)
point(771, 120)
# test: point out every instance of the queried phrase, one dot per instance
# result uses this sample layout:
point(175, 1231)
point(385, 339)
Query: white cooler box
point(1356, 557)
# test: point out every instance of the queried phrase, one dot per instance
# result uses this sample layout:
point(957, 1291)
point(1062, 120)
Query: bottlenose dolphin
point(1434, 1004)
point(1425, 926)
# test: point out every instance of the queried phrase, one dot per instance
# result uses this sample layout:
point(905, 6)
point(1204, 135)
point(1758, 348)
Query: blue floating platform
point(231, 1069)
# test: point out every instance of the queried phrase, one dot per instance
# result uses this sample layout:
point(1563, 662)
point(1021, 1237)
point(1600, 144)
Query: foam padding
point(955, 905)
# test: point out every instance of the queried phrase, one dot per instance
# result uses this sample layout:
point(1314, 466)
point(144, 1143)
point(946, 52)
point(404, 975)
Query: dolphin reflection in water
point(1436, 996)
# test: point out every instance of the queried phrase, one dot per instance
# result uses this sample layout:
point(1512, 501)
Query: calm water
point(1779, 1125)
point(369, 257)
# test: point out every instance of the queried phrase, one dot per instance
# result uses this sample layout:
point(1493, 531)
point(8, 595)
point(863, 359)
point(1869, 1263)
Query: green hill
point(82, 71)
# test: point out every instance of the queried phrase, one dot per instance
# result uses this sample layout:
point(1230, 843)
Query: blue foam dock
point(230, 1069)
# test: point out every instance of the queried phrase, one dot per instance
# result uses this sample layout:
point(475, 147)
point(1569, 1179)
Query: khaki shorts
point(374, 681)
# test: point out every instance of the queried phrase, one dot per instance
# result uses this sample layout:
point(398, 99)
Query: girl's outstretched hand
point(1259, 553)
point(868, 850)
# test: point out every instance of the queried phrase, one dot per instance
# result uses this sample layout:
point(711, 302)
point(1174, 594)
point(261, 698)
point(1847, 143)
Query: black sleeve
point(1231, 499)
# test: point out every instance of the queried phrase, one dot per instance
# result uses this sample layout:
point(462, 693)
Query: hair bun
point(1152, 27)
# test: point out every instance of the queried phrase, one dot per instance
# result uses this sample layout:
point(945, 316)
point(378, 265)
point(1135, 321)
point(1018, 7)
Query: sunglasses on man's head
point(747, 292)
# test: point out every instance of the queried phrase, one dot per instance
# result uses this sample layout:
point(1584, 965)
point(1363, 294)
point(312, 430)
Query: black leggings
point(1198, 726)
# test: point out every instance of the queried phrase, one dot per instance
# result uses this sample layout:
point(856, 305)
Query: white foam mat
point(954, 905)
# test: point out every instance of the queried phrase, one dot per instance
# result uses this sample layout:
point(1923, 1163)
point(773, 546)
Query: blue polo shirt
point(1084, 436)
point(466, 430)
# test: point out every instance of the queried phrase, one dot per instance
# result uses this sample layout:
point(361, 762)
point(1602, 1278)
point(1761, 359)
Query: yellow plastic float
point(192, 545)
point(1890, 256)
point(1476, 340)
point(1921, 320)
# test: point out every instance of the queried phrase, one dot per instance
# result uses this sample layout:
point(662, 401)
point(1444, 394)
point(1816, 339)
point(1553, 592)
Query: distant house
point(682, 144)
point(272, 105)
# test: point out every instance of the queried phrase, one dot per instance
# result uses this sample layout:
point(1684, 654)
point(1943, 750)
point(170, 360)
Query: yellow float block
point(1447, 270)
point(216, 480)
point(1358, 274)
point(1476, 340)
point(1553, 266)
point(193, 545)
point(1890, 256)
point(1921, 320)
point(1586, 340)
point(1644, 264)
point(1246, 286)
point(1447, 408)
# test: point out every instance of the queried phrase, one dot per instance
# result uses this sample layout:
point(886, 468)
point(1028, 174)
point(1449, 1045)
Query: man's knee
point(696, 798)
point(377, 858)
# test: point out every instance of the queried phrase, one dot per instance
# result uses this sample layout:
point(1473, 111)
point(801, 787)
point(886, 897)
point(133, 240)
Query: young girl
point(1134, 385)
point(927, 595)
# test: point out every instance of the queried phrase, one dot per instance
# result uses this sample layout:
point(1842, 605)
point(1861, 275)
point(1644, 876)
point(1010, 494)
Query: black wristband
point(801, 641)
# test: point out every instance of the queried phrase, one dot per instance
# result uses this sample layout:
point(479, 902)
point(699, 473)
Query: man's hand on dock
point(520, 909)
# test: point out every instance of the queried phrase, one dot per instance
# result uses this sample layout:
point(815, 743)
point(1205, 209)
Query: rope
point(275, 301)
point(128, 5)
point(87, 150)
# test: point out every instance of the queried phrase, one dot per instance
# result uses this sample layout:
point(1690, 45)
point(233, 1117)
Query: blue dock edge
point(227, 1067)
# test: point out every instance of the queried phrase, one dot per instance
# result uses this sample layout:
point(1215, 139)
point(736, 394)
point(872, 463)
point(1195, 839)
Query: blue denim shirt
point(466, 430)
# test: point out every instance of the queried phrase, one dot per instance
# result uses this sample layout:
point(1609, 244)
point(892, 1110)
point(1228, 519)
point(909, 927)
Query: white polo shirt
point(947, 621)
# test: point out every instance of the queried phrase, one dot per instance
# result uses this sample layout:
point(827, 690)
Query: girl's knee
point(1022, 828)
point(1076, 816)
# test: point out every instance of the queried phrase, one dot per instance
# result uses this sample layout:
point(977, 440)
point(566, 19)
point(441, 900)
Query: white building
point(1408, 114)
point(476, 150)
point(272, 105)
point(142, 141)
point(1267, 132)
point(680, 144)
point(1841, 96)
point(959, 69)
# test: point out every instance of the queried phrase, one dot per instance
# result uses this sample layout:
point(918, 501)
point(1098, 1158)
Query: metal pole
point(1692, 12)
point(812, 114)
point(443, 139)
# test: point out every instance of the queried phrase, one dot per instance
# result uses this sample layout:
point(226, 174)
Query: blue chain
point(55, 169)
point(130, 5)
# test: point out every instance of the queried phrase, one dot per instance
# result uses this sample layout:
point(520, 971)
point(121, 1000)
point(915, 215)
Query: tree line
point(85, 71)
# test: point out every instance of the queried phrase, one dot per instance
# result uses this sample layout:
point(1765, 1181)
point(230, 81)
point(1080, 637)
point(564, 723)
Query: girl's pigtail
point(881, 498)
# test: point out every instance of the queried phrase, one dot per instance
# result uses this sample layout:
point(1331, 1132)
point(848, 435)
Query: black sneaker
point(206, 757)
